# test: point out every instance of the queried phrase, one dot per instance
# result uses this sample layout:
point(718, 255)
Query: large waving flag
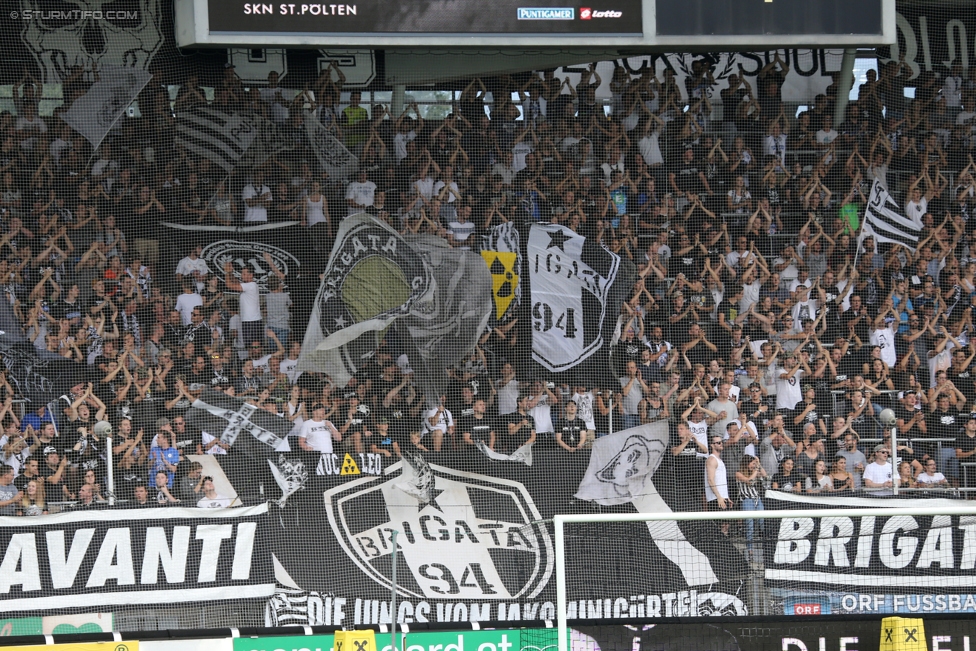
point(884, 220)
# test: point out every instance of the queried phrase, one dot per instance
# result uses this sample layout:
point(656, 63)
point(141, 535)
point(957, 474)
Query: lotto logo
point(586, 13)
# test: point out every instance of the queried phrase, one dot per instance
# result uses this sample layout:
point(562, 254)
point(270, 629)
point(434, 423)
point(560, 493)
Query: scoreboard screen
point(531, 25)
point(767, 17)
point(462, 17)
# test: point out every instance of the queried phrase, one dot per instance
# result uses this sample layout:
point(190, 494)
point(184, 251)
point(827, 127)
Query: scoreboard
point(536, 24)
point(768, 17)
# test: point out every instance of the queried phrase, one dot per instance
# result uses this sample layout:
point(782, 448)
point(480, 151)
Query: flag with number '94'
point(577, 287)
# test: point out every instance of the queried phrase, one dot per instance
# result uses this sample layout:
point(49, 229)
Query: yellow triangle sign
point(349, 466)
point(504, 278)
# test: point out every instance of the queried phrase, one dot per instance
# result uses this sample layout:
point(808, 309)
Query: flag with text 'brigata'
point(576, 288)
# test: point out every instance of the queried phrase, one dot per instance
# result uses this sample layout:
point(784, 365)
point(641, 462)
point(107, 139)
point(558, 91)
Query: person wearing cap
point(317, 434)
point(878, 473)
point(380, 440)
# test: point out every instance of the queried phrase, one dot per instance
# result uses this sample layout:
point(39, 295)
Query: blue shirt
point(156, 457)
point(35, 421)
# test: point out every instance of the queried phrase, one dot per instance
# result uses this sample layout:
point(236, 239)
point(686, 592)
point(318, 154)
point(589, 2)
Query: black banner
point(517, 17)
point(873, 554)
point(97, 559)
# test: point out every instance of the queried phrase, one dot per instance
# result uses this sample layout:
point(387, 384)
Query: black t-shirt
point(21, 480)
point(687, 179)
point(479, 428)
point(508, 443)
point(965, 442)
point(944, 424)
point(570, 431)
point(811, 417)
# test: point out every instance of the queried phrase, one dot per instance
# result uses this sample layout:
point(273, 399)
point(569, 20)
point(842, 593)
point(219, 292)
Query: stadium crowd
point(759, 327)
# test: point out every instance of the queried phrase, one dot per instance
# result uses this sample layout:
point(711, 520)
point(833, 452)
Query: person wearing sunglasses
point(877, 475)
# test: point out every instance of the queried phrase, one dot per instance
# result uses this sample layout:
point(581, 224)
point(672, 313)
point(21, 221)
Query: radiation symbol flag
point(504, 279)
point(349, 466)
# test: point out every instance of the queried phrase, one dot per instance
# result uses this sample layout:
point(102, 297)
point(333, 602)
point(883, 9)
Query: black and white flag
point(242, 425)
point(96, 112)
point(444, 326)
point(332, 154)
point(884, 220)
point(149, 556)
point(38, 376)
point(620, 471)
point(577, 287)
point(372, 279)
point(222, 138)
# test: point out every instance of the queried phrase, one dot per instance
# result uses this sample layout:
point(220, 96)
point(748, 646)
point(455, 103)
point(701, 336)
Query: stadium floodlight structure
point(560, 522)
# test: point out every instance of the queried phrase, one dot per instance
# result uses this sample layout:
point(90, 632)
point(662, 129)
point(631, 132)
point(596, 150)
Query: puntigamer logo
point(546, 13)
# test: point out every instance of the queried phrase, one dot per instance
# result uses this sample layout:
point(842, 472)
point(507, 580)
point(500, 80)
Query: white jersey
point(215, 502)
point(206, 437)
point(317, 434)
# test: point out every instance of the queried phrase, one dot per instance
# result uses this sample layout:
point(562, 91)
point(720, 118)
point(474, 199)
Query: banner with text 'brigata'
point(474, 545)
point(870, 565)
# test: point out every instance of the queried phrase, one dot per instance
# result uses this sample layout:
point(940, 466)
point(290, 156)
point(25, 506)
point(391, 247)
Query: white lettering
point(243, 550)
point(115, 545)
point(21, 551)
point(158, 552)
point(64, 571)
point(835, 533)
point(211, 535)
point(792, 546)
point(900, 556)
point(938, 544)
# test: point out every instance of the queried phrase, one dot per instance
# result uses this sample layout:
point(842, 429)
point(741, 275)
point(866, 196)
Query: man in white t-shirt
point(877, 474)
point(931, 476)
point(317, 433)
point(460, 230)
point(257, 198)
point(289, 365)
point(211, 498)
point(827, 134)
point(438, 423)
point(252, 326)
point(360, 193)
point(788, 389)
point(194, 266)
